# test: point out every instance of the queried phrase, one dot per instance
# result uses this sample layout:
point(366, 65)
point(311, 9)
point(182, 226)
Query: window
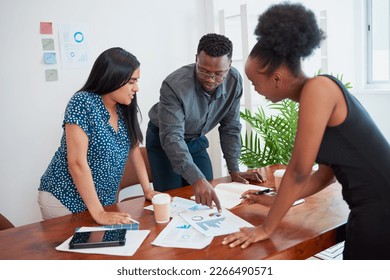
point(378, 41)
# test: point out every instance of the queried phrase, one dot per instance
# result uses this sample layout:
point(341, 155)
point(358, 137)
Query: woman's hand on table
point(245, 237)
point(113, 218)
point(250, 197)
point(149, 194)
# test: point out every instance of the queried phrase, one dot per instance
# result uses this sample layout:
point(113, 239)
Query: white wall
point(31, 110)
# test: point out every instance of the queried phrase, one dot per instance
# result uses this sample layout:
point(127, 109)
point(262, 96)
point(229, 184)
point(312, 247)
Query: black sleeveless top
point(359, 155)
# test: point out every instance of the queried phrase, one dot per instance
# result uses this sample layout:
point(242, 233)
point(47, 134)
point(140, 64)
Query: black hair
point(286, 33)
point(215, 45)
point(112, 70)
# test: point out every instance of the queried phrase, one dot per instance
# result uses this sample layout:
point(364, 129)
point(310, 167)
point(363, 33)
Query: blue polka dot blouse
point(107, 153)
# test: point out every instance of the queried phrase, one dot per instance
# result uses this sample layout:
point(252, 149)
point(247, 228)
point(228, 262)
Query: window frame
point(371, 82)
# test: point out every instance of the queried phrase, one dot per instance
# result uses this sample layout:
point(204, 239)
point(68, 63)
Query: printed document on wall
point(73, 45)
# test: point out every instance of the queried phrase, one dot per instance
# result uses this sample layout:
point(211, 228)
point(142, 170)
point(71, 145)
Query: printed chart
point(211, 223)
point(179, 234)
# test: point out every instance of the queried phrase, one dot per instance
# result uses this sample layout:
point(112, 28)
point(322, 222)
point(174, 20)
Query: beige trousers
point(50, 206)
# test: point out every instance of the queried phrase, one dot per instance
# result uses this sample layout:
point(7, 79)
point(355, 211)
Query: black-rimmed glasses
point(216, 78)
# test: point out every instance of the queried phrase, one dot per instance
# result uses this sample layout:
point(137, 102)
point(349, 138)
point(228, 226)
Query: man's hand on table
point(250, 175)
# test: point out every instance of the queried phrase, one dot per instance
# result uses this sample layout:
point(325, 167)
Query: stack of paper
point(194, 225)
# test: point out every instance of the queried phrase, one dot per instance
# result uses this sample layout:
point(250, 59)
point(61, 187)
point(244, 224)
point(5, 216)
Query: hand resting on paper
point(250, 197)
point(246, 236)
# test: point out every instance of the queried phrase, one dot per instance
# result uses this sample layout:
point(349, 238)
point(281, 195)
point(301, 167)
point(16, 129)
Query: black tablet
point(101, 238)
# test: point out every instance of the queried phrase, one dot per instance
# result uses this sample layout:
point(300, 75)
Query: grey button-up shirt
point(186, 112)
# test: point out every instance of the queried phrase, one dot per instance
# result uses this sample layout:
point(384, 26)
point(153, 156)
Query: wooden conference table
point(307, 229)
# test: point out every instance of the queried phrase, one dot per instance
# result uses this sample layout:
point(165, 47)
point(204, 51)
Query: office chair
point(5, 223)
point(129, 177)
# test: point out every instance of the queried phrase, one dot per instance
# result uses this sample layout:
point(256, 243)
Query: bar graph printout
point(179, 234)
point(211, 223)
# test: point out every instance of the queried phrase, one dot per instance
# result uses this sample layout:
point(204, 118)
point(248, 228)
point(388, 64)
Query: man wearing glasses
point(193, 100)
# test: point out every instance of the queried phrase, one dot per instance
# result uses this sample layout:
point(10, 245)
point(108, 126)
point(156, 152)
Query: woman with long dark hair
point(101, 131)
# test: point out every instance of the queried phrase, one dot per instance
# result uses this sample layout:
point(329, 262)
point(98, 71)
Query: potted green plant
point(272, 136)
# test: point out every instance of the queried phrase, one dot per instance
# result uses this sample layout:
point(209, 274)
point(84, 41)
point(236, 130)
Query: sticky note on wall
point(51, 75)
point(46, 28)
point(48, 44)
point(50, 58)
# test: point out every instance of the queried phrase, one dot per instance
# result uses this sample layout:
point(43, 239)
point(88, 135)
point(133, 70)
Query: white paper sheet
point(211, 223)
point(180, 234)
point(134, 239)
point(229, 194)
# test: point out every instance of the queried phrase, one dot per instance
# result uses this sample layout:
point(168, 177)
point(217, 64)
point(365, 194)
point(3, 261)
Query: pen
point(134, 221)
point(259, 192)
point(263, 191)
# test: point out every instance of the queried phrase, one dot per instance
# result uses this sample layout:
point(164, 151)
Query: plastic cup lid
point(161, 198)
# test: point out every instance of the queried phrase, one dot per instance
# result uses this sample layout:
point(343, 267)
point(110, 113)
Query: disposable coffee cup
point(278, 174)
point(161, 207)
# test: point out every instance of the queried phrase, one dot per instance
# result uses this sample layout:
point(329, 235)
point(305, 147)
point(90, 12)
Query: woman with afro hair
point(334, 130)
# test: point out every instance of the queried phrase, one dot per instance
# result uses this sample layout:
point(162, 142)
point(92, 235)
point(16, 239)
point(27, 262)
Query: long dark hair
point(112, 70)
